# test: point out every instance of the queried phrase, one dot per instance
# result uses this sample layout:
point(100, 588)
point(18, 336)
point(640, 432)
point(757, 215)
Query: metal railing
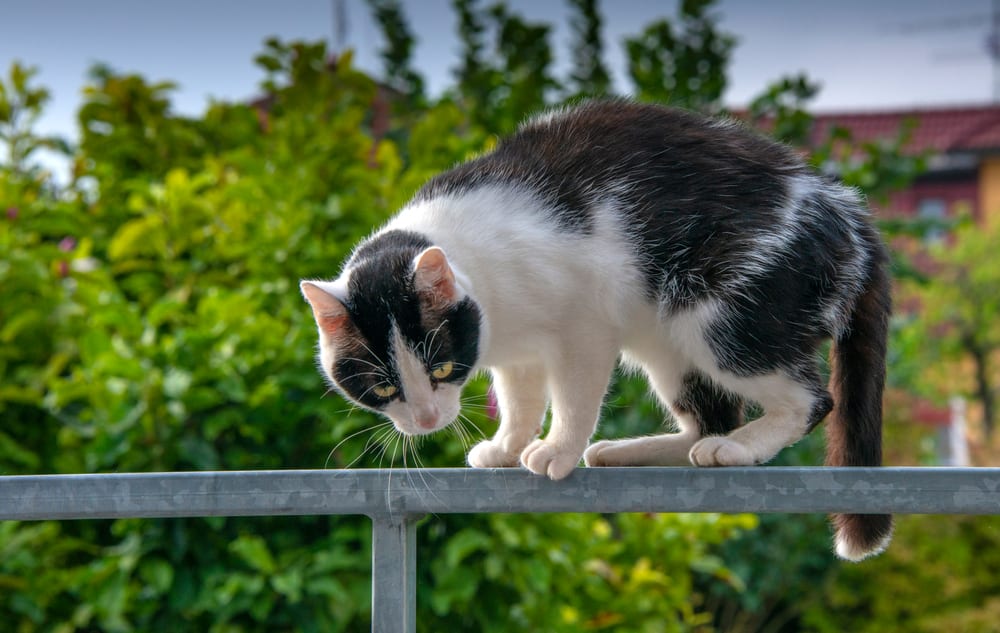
point(395, 499)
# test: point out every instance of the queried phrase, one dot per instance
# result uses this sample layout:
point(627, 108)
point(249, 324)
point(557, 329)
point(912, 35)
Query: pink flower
point(67, 244)
point(12, 213)
point(492, 406)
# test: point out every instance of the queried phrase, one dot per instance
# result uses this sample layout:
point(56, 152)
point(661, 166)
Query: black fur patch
point(381, 294)
point(716, 411)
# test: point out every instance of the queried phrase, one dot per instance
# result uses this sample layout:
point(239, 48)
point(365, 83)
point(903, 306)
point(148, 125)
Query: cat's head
point(398, 334)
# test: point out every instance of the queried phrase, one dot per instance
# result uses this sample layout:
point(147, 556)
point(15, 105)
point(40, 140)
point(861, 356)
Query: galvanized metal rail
point(394, 499)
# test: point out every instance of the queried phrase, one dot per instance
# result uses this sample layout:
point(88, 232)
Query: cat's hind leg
point(522, 399)
point(794, 401)
point(700, 408)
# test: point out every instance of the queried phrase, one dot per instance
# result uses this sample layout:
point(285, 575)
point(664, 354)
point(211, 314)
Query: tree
point(953, 335)
point(499, 94)
point(21, 103)
point(397, 52)
point(682, 63)
point(589, 77)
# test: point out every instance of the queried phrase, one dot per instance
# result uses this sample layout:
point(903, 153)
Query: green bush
point(151, 321)
point(940, 574)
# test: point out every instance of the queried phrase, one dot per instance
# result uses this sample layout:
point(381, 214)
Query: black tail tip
point(858, 536)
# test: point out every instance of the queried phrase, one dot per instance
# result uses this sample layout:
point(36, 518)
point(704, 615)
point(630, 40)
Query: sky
point(866, 54)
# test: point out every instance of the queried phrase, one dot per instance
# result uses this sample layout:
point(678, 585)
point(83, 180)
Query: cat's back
point(576, 155)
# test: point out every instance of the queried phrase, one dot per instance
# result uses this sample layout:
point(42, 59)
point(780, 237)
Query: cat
point(695, 250)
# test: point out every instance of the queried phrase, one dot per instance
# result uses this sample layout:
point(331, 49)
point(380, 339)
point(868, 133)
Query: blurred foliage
point(150, 321)
point(397, 53)
point(629, 572)
point(21, 104)
point(682, 61)
point(953, 325)
point(590, 76)
point(506, 67)
point(940, 574)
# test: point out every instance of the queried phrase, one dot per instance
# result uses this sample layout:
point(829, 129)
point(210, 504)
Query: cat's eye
point(443, 370)
point(384, 391)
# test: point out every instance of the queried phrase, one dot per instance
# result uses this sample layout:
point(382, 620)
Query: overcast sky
point(866, 53)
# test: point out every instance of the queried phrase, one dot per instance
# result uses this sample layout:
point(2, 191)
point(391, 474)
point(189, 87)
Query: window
point(933, 212)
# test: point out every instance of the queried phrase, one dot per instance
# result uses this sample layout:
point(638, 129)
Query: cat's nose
point(427, 418)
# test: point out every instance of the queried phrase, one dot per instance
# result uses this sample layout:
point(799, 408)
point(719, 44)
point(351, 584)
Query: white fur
point(849, 551)
point(427, 407)
point(529, 277)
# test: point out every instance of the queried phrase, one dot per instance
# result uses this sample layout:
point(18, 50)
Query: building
point(963, 146)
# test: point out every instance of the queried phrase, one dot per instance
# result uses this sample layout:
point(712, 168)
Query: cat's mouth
point(420, 420)
point(424, 426)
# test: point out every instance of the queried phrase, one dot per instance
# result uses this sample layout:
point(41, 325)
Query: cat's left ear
point(329, 311)
point(433, 275)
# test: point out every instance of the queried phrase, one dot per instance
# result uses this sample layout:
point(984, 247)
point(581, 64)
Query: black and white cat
point(699, 252)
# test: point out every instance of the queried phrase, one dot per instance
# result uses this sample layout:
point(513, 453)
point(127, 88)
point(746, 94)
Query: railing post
point(394, 573)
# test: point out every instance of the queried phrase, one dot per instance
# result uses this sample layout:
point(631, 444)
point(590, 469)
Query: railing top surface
point(462, 490)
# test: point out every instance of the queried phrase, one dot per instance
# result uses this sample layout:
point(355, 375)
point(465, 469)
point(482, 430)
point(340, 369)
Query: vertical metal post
point(394, 574)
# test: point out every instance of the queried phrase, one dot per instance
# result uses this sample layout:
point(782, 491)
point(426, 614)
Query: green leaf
point(13, 452)
point(254, 552)
point(157, 573)
point(289, 583)
point(136, 237)
point(463, 544)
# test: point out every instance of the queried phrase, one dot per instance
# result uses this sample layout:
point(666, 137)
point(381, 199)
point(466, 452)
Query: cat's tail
point(854, 430)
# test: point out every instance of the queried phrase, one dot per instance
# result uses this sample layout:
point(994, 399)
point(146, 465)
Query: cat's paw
point(604, 453)
point(544, 458)
point(491, 454)
point(720, 451)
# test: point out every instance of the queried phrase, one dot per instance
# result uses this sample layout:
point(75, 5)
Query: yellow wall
point(989, 190)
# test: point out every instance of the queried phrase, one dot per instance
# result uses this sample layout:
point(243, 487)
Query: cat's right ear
point(433, 276)
point(329, 312)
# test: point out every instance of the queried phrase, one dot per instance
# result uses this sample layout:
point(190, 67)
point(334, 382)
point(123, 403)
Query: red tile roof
point(937, 129)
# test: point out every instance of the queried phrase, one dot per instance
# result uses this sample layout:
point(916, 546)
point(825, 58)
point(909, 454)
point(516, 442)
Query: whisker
point(388, 490)
point(353, 435)
point(475, 433)
point(351, 408)
point(468, 420)
point(475, 405)
point(414, 441)
point(366, 362)
point(380, 374)
point(380, 441)
point(461, 433)
point(375, 441)
point(434, 336)
point(376, 356)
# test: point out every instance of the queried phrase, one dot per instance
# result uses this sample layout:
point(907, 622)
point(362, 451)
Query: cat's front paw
point(491, 454)
point(544, 458)
point(720, 451)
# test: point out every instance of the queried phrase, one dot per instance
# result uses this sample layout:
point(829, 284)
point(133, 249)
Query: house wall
point(989, 189)
point(957, 193)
